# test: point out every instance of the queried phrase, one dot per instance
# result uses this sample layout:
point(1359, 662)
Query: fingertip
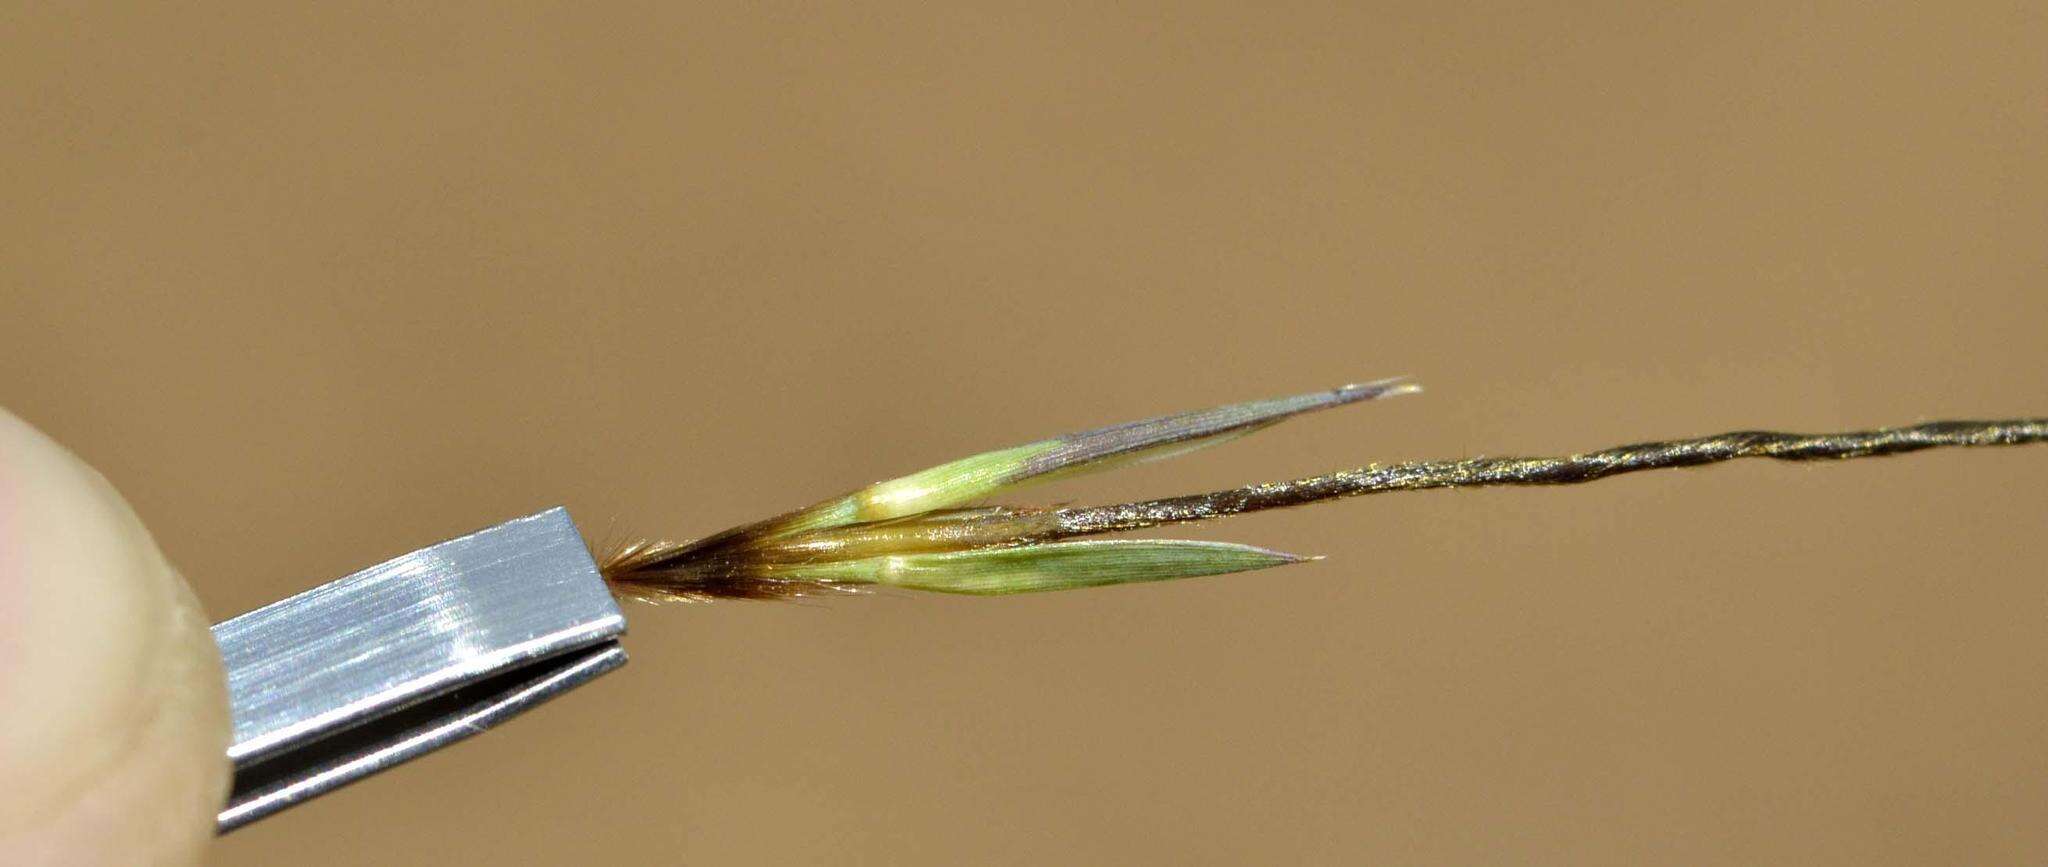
point(113, 709)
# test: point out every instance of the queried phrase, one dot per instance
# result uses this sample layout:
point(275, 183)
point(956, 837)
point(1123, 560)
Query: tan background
point(317, 287)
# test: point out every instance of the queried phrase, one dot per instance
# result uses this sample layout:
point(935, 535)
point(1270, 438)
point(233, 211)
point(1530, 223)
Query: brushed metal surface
point(367, 646)
point(263, 789)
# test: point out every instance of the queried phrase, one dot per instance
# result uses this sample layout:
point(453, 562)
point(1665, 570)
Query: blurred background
point(318, 286)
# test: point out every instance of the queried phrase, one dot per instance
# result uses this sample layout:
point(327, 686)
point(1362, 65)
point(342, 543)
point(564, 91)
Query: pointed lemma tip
point(1391, 386)
point(1269, 557)
point(1288, 558)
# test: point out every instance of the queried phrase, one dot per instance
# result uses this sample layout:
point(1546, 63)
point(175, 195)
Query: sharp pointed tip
point(1285, 558)
point(1392, 386)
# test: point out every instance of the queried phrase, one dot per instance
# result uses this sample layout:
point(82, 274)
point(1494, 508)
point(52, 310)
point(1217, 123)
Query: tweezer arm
point(400, 659)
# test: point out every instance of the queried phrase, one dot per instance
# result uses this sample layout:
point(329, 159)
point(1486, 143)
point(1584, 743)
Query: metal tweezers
point(408, 656)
